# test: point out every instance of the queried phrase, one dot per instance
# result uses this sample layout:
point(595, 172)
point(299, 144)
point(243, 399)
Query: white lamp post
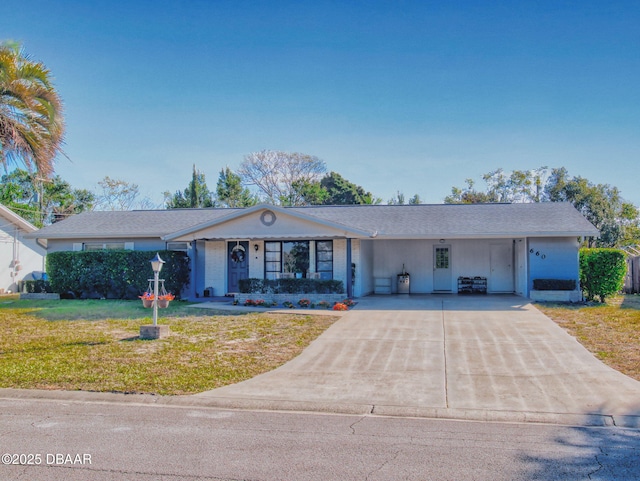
point(155, 331)
point(156, 266)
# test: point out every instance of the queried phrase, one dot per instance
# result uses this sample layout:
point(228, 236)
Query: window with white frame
point(104, 246)
point(178, 246)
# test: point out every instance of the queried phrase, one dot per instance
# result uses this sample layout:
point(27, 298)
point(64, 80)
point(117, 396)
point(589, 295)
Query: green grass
point(93, 345)
point(610, 331)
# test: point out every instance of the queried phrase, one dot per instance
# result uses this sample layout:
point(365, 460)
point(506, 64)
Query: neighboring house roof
point(554, 219)
point(15, 219)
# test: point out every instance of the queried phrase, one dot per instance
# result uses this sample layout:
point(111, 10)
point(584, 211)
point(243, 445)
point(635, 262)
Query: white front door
point(441, 268)
point(501, 279)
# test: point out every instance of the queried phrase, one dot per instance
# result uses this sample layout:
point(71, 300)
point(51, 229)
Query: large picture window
point(294, 259)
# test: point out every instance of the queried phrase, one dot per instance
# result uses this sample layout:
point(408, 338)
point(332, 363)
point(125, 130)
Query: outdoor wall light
point(256, 247)
point(441, 241)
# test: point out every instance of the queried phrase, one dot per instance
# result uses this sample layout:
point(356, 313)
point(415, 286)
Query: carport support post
point(349, 272)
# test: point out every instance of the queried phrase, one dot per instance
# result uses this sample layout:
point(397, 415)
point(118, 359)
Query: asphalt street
point(85, 441)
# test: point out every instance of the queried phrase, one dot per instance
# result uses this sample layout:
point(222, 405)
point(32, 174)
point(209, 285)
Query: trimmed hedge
point(554, 284)
point(37, 287)
point(290, 286)
point(114, 274)
point(602, 272)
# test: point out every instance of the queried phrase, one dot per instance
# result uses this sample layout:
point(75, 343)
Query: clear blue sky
point(413, 96)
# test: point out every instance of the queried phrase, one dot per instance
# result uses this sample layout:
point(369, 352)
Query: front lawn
point(610, 331)
point(93, 345)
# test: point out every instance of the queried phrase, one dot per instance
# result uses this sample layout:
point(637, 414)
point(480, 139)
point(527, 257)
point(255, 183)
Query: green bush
point(291, 286)
point(37, 287)
point(602, 272)
point(114, 274)
point(554, 284)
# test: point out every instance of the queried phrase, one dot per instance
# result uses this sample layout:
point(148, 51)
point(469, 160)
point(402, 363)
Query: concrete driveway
point(449, 356)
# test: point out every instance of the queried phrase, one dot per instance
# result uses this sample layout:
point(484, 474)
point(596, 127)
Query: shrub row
point(291, 286)
point(554, 284)
point(37, 287)
point(602, 272)
point(113, 274)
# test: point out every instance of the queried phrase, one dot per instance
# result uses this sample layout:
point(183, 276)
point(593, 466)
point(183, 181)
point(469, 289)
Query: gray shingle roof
point(417, 221)
point(455, 220)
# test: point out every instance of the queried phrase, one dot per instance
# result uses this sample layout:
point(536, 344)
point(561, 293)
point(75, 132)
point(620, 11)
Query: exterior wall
point(362, 256)
point(256, 260)
point(417, 257)
point(553, 258)
point(13, 247)
point(216, 266)
point(469, 258)
point(340, 271)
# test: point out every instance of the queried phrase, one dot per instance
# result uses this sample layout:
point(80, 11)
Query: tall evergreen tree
point(196, 195)
point(230, 191)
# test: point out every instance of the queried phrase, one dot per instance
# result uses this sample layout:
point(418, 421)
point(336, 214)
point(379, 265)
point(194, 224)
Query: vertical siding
point(340, 261)
point(363, 258)
point(417, 257)
point(216, 266)
point(256, 260)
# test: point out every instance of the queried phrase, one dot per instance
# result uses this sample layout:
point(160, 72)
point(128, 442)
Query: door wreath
point(237, 254)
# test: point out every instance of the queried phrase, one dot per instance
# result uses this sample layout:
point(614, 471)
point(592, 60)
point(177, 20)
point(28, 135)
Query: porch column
point(349, 276)
point(192, 253)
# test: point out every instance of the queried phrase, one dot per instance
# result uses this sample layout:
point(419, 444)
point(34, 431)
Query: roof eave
point(349, 232)
point(16, 219)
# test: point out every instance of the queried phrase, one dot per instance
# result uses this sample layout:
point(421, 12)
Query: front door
point(501, 262)
point(238, 264)
point(441, 268)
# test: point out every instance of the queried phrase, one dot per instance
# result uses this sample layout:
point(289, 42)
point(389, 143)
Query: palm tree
point(31, 121)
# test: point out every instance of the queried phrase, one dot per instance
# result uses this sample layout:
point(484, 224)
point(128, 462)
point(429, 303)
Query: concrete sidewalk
point(484, 358)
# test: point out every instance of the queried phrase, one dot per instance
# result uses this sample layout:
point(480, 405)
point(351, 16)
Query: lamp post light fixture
point(155, 331)
point(156, 266)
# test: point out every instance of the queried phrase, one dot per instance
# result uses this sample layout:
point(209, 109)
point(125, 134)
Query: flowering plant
point(148, 296)
point(339, 306)
point(304, 302)
point(348, 302)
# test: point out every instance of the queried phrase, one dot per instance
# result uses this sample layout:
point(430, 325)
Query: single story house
point(504, 246)
point(21, 258)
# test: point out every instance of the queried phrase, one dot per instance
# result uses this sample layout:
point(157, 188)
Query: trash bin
point(403, 283)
